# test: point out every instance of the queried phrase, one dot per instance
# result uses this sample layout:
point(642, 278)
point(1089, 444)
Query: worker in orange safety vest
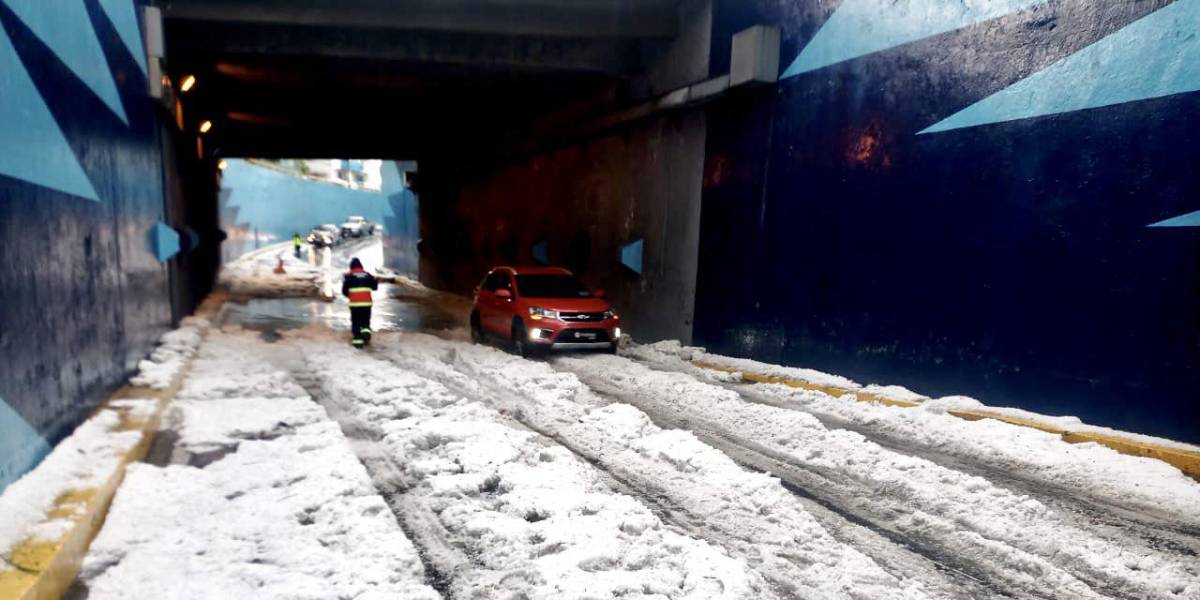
point(357, 285)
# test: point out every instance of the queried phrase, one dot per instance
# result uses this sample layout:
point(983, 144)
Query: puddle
point(270, 316)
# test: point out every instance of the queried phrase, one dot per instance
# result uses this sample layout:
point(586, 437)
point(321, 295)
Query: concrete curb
point(49, 568)
point(54, 564)
point(1184, 460)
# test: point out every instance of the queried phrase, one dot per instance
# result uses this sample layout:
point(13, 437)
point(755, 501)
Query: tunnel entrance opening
point(321, 204)
point(293, 227)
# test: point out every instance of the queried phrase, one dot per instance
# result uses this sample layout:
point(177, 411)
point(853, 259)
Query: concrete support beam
point(591, 18)
point(190, 39)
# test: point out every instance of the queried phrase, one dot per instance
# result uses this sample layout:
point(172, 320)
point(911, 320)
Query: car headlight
point(537, 313)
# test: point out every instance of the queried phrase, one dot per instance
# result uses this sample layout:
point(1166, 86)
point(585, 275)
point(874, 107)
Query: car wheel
point(476, 329)
point(611, 349)
point(520, 340)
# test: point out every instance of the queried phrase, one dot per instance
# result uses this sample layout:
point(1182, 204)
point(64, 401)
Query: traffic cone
point(279, 270)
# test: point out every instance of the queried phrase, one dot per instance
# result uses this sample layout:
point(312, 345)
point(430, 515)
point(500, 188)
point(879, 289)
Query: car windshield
point(551, 286)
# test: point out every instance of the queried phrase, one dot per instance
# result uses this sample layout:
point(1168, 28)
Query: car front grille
point(582, 336)
point(581, 316)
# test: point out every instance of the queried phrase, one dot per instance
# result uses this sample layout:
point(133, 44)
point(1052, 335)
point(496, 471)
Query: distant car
point(543, 308)
point(325, 235)
point(357, 227)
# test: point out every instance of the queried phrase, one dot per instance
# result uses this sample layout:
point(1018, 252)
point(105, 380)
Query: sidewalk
point(252, 491)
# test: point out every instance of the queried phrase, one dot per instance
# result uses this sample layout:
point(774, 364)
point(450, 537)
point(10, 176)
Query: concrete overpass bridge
point(409, 79)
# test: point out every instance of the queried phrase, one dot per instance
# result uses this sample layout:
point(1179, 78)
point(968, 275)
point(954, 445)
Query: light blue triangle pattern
point(32, 147)
point(862, 27)
point(541, 252)
point(189, 240)
point(123, 14)
point(166, 242)
point(21, 448)
point(631, 256)
point(391, 183)
point(1157, 55)
point(65, 27)
point(1188, 220)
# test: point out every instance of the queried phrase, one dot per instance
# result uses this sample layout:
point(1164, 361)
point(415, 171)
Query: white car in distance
point(357, 227)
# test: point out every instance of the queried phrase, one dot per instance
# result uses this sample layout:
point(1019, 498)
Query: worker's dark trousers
point(297, 251)
point(360, 325)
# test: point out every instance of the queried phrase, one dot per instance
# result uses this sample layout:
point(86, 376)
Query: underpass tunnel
point(895, 196)
point(532, 133)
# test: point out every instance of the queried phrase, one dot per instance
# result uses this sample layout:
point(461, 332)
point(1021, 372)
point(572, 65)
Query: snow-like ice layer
point(812, 376)
point(254, 274)
point(228, 354)
point(750, 513)
point(894, 392)
point(1024, 541)
point(672, 348)
point(90, 455)
point(1068, 423)
point(1086, 469)
point(85, 460)
point(220, 423)
point(159, 370)
point(291, 517)
point(536, 521)
point(289, 512)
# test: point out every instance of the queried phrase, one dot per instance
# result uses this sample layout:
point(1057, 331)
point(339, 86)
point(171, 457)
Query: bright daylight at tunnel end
point(586, 299)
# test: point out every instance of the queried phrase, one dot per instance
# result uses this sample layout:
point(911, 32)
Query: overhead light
point(188, 83)
point(205, 125)
point(221, 164)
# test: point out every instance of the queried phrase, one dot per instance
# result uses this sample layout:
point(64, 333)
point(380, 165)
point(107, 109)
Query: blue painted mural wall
point(402, 231)
point(956, 196)
point(272, 204)
point(82, 294)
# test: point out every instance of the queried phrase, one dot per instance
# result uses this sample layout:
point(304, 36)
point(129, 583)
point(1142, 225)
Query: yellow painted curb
point(1184, 460)
point(1188, 462)
point(836, 392)
point(48, 567)
point(973, 415)
point(39, 569)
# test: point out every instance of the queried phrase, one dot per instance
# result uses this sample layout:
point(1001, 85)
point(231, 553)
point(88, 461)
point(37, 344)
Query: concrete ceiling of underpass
point(400, 78)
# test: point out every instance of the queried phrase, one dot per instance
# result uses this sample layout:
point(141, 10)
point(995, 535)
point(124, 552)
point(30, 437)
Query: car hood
point(571, 304)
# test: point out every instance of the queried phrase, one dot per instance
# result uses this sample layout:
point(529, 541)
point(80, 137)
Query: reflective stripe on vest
point(360, 296)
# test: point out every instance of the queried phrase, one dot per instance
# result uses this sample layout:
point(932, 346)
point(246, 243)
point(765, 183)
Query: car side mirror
point(502, 293)
point(601, 294)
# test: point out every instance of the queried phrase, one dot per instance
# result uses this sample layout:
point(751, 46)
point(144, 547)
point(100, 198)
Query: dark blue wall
point(402, 232)
point(1010, 261)
point(82, 296)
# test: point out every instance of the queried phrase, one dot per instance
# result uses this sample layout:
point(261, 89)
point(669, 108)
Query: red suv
point(542, 308)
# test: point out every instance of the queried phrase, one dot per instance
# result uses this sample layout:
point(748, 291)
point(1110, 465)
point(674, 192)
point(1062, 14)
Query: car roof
point(535, 270)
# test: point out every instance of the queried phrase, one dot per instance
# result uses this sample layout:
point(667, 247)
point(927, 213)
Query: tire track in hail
point(1155, 531)
point(893, 553)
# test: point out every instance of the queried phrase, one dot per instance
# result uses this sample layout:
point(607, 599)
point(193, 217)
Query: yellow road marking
point(47, 568)
point(1184, 460)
